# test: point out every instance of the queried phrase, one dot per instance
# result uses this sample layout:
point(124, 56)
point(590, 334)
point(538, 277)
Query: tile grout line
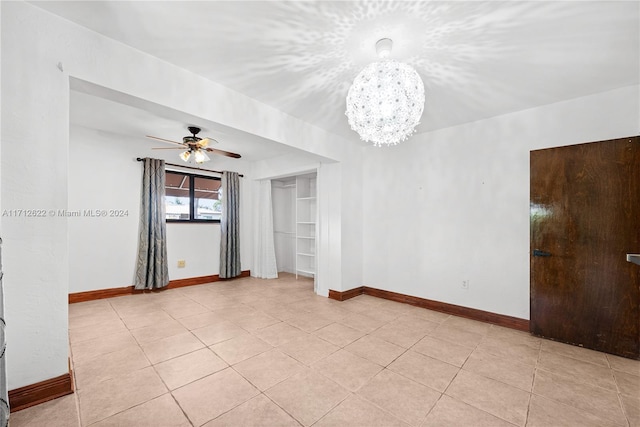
point(469, 404)
point(536, 369)
point(384, 409)
point(77, 404)
point(624, 411)
point(533, 381)
point(150, 365)
point(283, 409)
point(239, 404)
point(142, 403)
point(621, 406)
point(181, 409)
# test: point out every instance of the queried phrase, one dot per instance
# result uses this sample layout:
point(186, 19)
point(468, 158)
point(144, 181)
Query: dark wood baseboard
point(343, 296)
point(100, 294)
point(130, 290)
point(34, 394)
point(243, 273)
point(192, 281)
point(443, 307)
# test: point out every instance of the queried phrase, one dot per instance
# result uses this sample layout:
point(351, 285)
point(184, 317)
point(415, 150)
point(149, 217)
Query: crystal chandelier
point(386, 100)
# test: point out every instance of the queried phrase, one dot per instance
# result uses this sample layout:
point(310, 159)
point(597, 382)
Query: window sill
point(192, 221)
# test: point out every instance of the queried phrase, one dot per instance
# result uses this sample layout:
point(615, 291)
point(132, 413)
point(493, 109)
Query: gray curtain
point(152, 269)
point(4, 399)
point(230, 226)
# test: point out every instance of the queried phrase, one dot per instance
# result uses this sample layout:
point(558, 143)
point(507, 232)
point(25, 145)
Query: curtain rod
point(189, 167)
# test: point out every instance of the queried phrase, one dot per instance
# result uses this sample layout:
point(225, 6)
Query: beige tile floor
point(252, 352)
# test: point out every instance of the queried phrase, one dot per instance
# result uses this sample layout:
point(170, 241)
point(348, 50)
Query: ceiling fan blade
point(210, 140)
point(165, 140)
point(223, 153)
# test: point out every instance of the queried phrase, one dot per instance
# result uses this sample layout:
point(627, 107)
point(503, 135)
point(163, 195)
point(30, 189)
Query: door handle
point(634, 258)
point(538, 252)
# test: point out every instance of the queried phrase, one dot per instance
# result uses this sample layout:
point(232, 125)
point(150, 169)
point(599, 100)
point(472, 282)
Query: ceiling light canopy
point(386, 100)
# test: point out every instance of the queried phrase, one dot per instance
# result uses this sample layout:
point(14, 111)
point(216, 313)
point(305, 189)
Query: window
point(192, 198)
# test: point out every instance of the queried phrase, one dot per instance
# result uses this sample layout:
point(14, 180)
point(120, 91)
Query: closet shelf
point(306, 217)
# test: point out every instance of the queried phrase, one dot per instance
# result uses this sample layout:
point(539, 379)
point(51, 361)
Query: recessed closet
point(295, 224)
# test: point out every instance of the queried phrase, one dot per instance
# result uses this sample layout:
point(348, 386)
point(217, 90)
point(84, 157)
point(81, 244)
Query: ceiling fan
point(196, 147)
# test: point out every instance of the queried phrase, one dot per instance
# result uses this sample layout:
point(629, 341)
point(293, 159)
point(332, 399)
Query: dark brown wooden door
point(585, 218)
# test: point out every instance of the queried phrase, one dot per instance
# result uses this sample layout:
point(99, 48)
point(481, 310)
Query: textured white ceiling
point(477, 59)
point(97, 112)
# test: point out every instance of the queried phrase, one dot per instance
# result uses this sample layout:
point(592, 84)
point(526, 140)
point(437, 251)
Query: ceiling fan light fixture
point(185, 155)
point(200, 156)
point(193, 145)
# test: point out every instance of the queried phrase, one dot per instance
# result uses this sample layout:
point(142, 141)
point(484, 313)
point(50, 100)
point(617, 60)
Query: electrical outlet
point(465, 284)
point(181, 263)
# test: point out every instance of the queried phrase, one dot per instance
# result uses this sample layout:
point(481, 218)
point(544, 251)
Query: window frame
point(192, 199)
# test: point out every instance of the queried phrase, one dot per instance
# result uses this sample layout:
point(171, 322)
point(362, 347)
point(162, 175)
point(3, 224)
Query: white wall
point(329, 228)
point(283, 199)
point(453, 205)
point(1, 115)
point(426, 258)
point(350, 213)
point(103, 174)
point(339, 228)
point(36, 256)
